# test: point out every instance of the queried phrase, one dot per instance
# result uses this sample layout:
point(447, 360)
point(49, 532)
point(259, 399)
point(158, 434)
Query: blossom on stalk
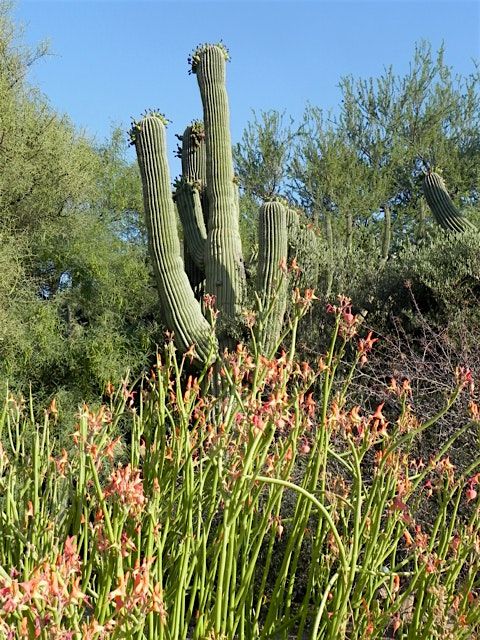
point(126, 485)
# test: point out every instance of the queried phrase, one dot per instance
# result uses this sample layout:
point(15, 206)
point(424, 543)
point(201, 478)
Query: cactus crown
point(194, 57)
point(197, 135)
point(197, 132)
point(136, 125)
point(180, 181)
point(280, 199)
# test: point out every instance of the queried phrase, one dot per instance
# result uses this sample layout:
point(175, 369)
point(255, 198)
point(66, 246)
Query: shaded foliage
point(76, 305)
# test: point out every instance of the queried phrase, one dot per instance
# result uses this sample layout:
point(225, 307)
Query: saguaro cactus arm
point(189, 204)
point(193, 153)
point(194, 215)
point(445, 212)
point(182, 312)
point(271, 279)
point(224, 268)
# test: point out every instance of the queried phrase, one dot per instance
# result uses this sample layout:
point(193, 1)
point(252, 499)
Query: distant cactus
point(445, 212)
point(386, 234)
point(206, 197)
point(303, 247)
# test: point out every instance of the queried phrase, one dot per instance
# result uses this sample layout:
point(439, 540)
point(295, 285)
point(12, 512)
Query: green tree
point(401, 125)
point(47, 167)
point(261, 161)
point(76, 304)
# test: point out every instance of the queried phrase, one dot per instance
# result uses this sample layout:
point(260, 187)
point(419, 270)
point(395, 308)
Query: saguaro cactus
point(207, 202)
point(445, 212)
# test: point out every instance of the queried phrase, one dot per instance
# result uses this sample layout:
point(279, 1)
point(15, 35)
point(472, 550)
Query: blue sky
point(113, 59)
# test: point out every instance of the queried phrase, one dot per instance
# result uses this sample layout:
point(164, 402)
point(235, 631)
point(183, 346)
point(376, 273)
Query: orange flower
point(29, 512)
point(24, 628)
point(76, 595)
point(304, 446)
point(421, 538)
point(365, 345)
point(378, 415)
point(380, 423)
point(408, 538)
point(294, 266)
point(52, 408)
point(70, 558)
point(127, 486)
point(61, 463)
point(445, 467)
point(471, 493)
point(396, 624)
point(396, 583)
point(110, 448)
point(109, 389)
point(119, 595)
point(157, 604)
point(465, 378)
point(304, 302)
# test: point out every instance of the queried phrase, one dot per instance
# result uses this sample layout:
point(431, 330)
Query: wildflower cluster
point(197, 521)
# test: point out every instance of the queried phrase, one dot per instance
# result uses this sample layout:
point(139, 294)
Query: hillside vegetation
point(242, 404)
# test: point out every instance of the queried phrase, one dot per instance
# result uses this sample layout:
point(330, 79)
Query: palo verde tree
point(261, 162)
point(263, 155)
point(402, 125)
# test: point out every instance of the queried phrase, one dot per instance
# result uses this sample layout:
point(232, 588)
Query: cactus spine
point(445, 212)
point(182, 313)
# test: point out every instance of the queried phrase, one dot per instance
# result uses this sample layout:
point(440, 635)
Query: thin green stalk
point(321, 608)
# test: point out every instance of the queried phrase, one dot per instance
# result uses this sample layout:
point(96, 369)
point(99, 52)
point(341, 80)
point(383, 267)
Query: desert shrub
point(82, 317)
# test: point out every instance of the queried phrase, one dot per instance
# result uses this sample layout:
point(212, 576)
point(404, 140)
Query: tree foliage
point(365, 160)
point(76, 305)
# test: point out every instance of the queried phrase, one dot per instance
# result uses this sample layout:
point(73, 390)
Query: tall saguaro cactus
point(224, 268)
point(207, 203)
point(272, 280)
